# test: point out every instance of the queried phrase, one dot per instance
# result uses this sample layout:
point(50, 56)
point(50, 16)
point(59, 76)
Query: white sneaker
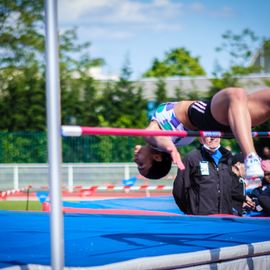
point(253, 167)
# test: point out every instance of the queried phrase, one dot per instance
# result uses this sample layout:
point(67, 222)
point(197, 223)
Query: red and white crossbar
point(76, 131)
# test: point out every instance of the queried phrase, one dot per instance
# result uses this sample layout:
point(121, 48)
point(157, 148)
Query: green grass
point(21, 205)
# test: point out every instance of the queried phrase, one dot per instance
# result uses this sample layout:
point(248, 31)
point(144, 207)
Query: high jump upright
point(54, 134)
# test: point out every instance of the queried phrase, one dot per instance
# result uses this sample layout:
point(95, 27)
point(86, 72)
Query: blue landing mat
point(160, 204)
point(93, 240)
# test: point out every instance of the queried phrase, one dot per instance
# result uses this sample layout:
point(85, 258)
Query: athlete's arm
point(165, 144)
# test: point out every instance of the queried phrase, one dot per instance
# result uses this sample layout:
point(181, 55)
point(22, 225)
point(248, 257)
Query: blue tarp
point(93, 240)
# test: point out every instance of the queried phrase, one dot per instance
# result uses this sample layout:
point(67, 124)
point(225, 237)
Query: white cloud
point(223, 11)
point(109, 13)
point(197, 7)
point(98, 32)
point(168, 27)
point(72, 10)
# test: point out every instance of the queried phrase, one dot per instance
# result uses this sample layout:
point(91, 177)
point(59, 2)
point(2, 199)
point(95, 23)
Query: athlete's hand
point(176, 158)
point(165, 144)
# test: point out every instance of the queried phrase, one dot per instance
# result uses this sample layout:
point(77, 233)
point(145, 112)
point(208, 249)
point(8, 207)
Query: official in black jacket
point(205, 186)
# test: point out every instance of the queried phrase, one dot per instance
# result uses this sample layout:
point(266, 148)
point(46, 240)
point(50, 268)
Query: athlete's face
point(144, 156)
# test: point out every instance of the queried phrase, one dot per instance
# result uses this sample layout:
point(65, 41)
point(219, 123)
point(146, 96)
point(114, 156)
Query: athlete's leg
point(259, 106)
point(230, 107)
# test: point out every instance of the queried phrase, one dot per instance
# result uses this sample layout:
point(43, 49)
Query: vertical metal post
point(127, 175)
point(54, 135)
point(16, 177)
point(70, 178)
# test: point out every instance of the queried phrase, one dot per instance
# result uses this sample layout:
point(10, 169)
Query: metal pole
point(70, 178)
point(54, 135)
point(16, 177)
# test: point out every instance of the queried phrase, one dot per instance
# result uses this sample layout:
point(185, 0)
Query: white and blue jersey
point(165, 117)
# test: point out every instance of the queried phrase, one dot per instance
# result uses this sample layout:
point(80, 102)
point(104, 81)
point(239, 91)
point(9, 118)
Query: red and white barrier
point(123, 188)
point(12, 192)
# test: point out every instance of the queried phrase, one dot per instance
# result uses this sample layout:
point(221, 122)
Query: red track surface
point(116, 212)
point(91, 195)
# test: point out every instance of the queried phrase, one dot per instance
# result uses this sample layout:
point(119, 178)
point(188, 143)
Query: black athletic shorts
point(200, 116)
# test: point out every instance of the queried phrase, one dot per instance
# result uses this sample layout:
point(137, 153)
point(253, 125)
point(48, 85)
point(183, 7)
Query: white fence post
point(16, 177)
point(70, 178)
point(127, 174)
point(74, 174)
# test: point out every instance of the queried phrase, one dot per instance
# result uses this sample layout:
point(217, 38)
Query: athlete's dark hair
point(161, 168)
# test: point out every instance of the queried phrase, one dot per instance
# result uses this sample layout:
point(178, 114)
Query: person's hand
point(249, 203)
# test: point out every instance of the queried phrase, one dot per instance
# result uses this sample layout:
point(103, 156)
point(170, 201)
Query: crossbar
point(76, 131)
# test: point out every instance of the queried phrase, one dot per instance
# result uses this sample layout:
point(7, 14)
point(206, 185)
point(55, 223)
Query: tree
point(21, 32)
point(228, 79)
point(239, 48)
point(160, 93)
point(79, 89)
point(122, 103)
point(22, 80)
point(179, 93)
point(177, 62)
point(22, 101)
point(261, 59)
point(22, 70)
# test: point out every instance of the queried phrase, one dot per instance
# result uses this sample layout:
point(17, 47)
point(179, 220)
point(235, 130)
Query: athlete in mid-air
point(229, 110)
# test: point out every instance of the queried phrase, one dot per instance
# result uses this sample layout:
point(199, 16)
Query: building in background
point(187, 84)
point(261, 58)
point(201, 84)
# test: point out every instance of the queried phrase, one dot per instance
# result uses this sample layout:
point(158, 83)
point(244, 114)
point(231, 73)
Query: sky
point(140, 30)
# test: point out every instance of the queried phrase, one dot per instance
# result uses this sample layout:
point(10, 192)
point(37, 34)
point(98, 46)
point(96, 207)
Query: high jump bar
point(76, 131)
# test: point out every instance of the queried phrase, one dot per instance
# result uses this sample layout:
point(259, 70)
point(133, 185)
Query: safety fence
point(31, 147)
point(99, 175)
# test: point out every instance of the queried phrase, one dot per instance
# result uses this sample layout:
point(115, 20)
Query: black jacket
point(261, 196)
point(199, 194)
point(264, 189)
point(238, 194)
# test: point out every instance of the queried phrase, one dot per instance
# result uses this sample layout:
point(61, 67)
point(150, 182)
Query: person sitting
point(239, 198)
point(229, 110)
point(261, 195)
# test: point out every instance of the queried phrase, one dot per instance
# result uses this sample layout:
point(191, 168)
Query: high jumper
point(229, 110)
